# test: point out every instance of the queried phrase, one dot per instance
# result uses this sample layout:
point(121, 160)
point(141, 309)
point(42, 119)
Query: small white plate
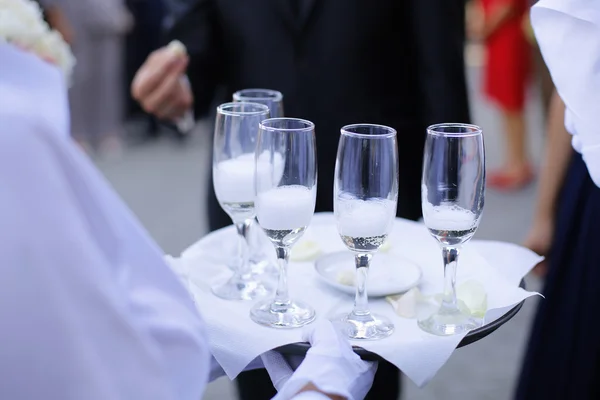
point(388, 274)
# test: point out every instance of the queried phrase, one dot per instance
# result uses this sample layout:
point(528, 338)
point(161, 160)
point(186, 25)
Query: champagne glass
point(365, 202)
point(452, 195)
point(274, 100)
point(236, 133)
point(286, 188)
point(271, 98)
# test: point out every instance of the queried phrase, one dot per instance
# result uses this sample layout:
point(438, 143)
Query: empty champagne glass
point(236, 133)
point(274, 100)
point(286, 188)
point(452, 195)
point(365, 202)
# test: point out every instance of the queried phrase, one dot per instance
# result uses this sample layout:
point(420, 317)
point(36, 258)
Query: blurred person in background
point(96, 94)
point(557, 157)
point(554, 234)
point(563, 356)
point(395, 63)
point(542, 75)
point(57, 19)
point(546, 86)
point(500, 24)
point(563, 230)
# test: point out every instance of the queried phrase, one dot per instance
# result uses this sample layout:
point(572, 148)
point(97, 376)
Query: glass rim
point(472, 130)
point(260, 109)
point(264, 125)
point(391, 132)
point(269, 94)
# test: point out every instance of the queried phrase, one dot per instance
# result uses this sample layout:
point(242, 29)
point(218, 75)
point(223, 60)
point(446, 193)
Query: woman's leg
point(516, 138)
point(517, 170)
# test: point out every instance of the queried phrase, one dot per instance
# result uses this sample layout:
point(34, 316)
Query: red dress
point(508, 57)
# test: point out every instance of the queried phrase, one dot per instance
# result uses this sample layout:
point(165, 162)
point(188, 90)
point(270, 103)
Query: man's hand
point(160, 85)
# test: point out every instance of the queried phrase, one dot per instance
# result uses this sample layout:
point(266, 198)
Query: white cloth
point(235, 339)
point(568, 33)
point(330, 365)
point(89, 308)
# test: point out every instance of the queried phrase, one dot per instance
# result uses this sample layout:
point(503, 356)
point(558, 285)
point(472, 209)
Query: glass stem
point(252, 238)
point(450, 255)
point(243, 269)
point(282, 297)
point(361, 299)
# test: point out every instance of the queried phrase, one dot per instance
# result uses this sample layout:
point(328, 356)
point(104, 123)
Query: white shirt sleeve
point(568, 33)
point(85, 315)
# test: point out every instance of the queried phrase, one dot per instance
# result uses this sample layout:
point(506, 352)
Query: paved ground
point(164, 182)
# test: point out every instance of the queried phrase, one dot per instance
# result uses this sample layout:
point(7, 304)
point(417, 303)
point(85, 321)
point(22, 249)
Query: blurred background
point(162, 174)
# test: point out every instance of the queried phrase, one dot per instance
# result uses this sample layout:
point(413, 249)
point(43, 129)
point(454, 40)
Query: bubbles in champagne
point(364, 224)
point(364, 218)
point(450, 224)
point(234, 178)
point(286, 207)
point(449, 217)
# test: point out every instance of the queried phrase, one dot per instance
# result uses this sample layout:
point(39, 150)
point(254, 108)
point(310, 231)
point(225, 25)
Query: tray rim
point(300, 348)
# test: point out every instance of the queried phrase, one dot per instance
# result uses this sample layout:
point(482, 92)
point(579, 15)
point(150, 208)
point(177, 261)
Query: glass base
point(240, 289)
point(263, 266)
point(286, 316)
point(448, 322)
point(364, 327)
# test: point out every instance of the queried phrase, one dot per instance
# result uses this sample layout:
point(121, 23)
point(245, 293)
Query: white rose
point(53, 48)
point(26, 17)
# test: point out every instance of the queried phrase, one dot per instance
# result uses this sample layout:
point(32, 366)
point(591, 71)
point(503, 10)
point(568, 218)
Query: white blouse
point(89, 308)
point(568, 33)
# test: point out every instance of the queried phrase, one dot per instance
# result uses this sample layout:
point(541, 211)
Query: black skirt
point(563, 356)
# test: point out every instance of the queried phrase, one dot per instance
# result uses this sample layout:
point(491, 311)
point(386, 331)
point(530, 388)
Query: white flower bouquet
point(22, 24)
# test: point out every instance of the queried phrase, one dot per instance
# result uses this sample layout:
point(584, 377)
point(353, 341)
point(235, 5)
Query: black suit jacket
point(391, 62)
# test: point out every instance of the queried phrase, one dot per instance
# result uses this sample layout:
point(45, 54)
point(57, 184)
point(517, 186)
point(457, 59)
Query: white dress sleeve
point(568, 33)
point(89, 310)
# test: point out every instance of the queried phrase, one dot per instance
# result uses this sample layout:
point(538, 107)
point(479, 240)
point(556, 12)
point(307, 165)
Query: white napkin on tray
point(236, 340)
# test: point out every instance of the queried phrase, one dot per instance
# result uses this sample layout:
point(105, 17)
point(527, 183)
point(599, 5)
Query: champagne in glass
point(285, 203)
point(234, 186)
point(365, 202)
point(273, 99)
point(236, 132)
point(275, 208)
point(363, 224)
point(452, 195)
